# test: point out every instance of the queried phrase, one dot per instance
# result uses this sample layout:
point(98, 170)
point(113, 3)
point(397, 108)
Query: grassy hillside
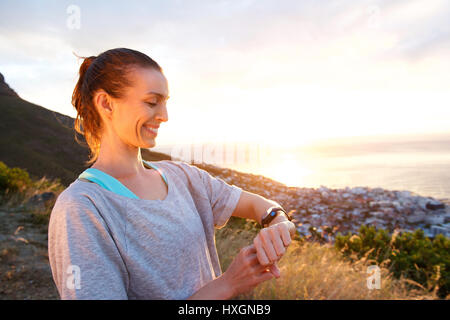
point(31, 137)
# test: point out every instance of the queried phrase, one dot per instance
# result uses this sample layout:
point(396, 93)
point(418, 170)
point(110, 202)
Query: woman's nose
point(163, 114)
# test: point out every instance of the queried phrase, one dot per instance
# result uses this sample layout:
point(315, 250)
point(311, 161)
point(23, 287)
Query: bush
point(310, 270)
point(13, 180)
point(17, 188)
point(408, 254)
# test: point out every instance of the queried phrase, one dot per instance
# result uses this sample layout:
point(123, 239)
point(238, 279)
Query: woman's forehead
point(149, 80)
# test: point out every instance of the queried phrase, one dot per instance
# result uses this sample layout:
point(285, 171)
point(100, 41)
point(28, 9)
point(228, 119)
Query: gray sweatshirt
point(103, 245)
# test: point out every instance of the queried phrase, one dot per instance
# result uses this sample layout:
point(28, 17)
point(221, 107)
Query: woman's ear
point(103, 103)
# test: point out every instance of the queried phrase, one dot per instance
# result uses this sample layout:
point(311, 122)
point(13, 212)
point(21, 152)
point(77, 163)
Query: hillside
point(5, 89)
point(41, 140)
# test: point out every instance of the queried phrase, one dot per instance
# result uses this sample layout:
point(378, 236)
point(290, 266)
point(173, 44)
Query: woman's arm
point(246, 271)
point(243, 275)
point(217, 289)
point(84, 259)
point(271, 242)
point(253, 206)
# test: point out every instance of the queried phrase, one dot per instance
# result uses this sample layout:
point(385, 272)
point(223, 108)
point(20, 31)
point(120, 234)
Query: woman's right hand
point(245, 272)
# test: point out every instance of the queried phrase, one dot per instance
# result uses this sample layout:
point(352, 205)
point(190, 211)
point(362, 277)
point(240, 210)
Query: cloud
point(227, 55)
point(192, 27)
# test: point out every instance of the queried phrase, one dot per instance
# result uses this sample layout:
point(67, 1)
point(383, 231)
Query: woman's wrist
point(217, 289)
point(279, 218)
point(227, 286)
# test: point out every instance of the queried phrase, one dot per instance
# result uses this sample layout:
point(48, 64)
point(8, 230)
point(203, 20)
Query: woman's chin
point(148, 143)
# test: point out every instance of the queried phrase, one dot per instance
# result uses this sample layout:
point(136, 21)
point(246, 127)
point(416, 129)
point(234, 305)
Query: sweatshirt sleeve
point(223, 197)
point(85, 262)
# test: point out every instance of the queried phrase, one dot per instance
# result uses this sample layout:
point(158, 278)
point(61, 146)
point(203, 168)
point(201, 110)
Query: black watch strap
point(271, 214)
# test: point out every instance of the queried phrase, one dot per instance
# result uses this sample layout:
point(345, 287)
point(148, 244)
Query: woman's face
point(139, 112)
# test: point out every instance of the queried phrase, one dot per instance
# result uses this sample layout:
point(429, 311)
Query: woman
point(156, 241)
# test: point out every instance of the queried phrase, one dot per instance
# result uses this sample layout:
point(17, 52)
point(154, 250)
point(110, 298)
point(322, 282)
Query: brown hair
point(107, 71)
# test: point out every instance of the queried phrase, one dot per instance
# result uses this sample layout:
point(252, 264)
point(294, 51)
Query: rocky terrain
point(24, 269)
point(327, 211)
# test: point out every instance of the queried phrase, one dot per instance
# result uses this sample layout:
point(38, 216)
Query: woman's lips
point(151, 131)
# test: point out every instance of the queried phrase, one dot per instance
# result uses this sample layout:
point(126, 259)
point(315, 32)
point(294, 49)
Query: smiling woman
point(100, 91)
point(133, 229)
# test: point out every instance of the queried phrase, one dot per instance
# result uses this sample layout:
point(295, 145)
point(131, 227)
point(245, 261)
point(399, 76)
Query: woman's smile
point(151, 131)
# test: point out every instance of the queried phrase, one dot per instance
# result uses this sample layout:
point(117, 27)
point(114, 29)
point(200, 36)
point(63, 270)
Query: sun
point(288, 170)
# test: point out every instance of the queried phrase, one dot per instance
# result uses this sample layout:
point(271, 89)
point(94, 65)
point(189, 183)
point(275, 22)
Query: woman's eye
point(151, 104)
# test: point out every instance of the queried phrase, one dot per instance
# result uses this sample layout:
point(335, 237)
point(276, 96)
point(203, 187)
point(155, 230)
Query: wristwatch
point(272, 212)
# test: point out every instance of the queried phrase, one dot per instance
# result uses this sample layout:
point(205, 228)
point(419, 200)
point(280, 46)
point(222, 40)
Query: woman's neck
point(122, 163)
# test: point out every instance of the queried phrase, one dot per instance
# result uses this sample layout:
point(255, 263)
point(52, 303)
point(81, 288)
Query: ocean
point(420, 165)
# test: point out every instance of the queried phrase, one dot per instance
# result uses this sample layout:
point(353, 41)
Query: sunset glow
point(258, 71)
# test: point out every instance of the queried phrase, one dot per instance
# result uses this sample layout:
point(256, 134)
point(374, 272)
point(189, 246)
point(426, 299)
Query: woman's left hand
point(271, 244)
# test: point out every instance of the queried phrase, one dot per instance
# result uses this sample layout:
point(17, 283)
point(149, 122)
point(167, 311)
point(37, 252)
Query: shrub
point(310, 270)
point(408, 254)
point(13, 180)
point(17, 188)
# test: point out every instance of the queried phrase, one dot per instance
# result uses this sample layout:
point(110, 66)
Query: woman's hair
point(109, 72)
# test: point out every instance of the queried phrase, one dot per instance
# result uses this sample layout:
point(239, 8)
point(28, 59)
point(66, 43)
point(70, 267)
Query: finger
point(277, 241)
point(250, 249)
point(266, 240)
point(292, 228)
point(272, 268)
point(264, 276)
point(285, 236)
point(260, 268)
point(260, 253)
point(275, 270)
point(253, 260)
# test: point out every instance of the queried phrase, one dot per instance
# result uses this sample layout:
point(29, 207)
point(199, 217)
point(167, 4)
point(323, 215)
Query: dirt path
point(24, 268)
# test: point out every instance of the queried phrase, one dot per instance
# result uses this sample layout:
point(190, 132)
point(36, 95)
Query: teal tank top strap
point(158, 169)
point(106, 181)
point(112, 184)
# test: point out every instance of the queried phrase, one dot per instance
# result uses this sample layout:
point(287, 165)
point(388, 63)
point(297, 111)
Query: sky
point(276, 72)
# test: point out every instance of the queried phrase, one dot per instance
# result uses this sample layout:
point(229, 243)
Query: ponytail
point(87, 121)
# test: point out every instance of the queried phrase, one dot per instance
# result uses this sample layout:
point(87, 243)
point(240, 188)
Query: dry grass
point(313, 271)
point(19, 201)
point(27, 191)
